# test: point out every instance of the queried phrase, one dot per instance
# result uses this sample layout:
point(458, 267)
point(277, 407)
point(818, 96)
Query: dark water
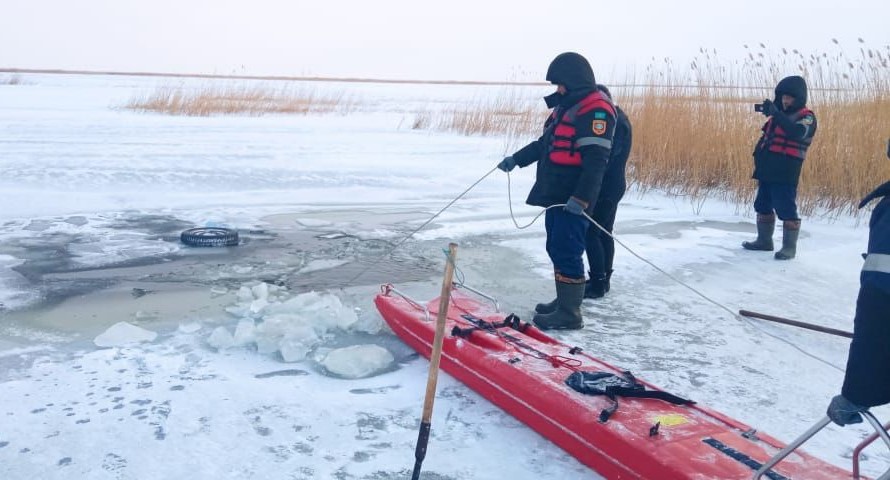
point(272, 256)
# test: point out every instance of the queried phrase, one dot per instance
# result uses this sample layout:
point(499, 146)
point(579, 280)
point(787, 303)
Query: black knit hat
point(572, 71)
point(795, 86)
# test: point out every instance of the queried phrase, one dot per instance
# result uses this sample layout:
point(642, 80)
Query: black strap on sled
point(614, 386)
point(512, 321)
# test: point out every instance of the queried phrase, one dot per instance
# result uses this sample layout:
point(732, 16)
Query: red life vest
point(560, 128)
point(776, 140)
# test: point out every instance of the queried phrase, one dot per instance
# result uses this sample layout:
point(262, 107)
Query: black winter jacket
point(555, 183)
point(867, 379)
point(614, 181)
point(778, 167)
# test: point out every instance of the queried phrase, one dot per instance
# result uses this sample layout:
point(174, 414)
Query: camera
point(765, 108)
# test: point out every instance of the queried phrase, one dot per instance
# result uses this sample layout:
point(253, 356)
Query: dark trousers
point(867, 379)
point(566, 235)
point(780, 198)
point(600, 245)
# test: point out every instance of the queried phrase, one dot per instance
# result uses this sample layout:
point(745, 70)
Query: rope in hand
point(597, 225)
point(675, 279)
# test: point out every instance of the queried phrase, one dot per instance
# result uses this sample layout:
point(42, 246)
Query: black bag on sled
point(613, 386)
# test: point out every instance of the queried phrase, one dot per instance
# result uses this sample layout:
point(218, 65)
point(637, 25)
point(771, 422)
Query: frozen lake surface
point(93, 198)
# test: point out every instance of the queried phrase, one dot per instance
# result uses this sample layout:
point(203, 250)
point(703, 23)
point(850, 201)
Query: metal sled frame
point(880, 431)
point(389, 288)
point(494, 301)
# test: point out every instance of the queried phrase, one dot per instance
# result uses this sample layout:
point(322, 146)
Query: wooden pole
point(423, 436)
point(808, 326)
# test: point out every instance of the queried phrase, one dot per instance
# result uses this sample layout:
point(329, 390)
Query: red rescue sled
point(523, 371)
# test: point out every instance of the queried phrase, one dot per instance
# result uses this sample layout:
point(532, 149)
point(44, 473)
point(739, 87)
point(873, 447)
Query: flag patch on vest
point(599, 115)
point(599, 127)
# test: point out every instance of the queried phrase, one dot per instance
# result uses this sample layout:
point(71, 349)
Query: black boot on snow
point(790, 231)
point(547, 307)
point(596, 286)
point(766, 226)
point(567, 315)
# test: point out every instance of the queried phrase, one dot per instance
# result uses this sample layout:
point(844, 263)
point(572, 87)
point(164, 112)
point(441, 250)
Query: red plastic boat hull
point(524, 372)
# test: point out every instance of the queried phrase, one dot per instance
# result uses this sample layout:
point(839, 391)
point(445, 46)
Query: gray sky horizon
point(415, 40)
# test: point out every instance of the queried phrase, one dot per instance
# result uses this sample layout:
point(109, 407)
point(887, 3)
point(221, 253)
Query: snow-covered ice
point(357, 361)
point(122, 333)
point(269, 360)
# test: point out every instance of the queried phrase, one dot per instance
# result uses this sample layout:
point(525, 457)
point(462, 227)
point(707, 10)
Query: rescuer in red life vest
point(778, 158)
point(571, 158)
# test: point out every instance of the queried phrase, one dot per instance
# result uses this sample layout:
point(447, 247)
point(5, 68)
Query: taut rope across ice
point(719, 305)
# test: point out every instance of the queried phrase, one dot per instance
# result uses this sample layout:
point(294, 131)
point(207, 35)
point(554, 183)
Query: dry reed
point(695, 136)
point(694, 125)
point(251, 100)
point(14, 79)
point(695, 128)
point(509, 113)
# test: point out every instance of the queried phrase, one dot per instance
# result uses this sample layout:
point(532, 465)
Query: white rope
point(597, 225)
point(400, 242)
point(659, 269)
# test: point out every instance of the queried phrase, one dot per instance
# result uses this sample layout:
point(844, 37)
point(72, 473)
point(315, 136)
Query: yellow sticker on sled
point(670, 420)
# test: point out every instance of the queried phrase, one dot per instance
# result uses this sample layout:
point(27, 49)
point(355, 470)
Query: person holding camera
point(600, 244)
point(867, 378)
point(778, 158)
point(571, 157)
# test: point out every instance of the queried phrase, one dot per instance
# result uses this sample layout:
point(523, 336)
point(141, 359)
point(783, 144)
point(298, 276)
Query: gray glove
point(574, 206)
point(844, 412)
point(507, 164)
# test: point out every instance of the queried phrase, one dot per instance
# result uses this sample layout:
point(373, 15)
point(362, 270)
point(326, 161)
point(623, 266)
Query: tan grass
point(698, 141)
point(422, 120)
point(13, 79)
point(695, 127)
point(508, 113)
point(235, 99)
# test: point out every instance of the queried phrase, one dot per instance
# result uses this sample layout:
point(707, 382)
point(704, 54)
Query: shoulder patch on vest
point(807, 120)
point(599, 115)
point(599, 126)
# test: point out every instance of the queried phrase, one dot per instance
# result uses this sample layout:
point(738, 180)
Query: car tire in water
point(209, 237)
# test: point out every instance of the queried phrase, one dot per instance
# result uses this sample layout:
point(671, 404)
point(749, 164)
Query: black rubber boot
point(608, 281)
point(766, 226)
point(547, 307)
point(596, 286)
point(567, 315)
point(790, 231)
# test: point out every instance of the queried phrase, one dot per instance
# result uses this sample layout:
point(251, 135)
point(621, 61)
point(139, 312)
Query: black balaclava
point(796, 87)
point(573, 72)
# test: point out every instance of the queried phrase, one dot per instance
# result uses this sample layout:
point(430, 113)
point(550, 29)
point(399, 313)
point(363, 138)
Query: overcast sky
point(415, 39)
